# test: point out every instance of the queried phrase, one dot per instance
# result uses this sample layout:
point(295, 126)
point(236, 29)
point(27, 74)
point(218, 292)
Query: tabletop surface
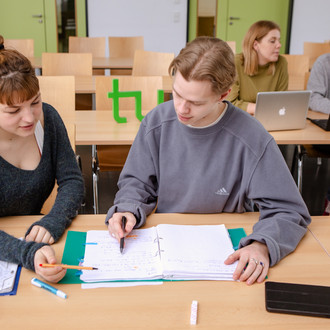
point(222, 304)
point(99, 127)
point(97, 62)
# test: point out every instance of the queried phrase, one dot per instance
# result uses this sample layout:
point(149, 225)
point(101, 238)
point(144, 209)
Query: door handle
point(234, 18)
point(37, 16)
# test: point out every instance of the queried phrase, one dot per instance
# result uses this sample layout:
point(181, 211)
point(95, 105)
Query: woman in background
point(260, 67)
point(34, 152)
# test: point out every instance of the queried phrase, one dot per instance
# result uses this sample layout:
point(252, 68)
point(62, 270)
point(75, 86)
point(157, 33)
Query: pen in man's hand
point(123, 225)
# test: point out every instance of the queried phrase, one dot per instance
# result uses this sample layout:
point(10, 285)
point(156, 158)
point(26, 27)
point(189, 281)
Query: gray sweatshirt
point(319, 84)
point(226, 167)
point(23, 192)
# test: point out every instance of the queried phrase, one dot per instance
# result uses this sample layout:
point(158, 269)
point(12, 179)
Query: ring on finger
point(261, 264)
point(255, 260)
point(113, 235)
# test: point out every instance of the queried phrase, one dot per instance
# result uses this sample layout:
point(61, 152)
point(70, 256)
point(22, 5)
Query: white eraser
point(193, 313)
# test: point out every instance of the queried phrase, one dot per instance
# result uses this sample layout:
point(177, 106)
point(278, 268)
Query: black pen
point(123, 225)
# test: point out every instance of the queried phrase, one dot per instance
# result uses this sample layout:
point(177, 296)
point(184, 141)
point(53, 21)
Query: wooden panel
point(65, 64)
point(151, 63)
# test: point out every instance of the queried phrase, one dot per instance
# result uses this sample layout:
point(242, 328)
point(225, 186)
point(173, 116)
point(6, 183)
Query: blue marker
point(48, 287)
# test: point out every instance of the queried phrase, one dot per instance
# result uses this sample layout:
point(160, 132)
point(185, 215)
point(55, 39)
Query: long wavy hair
point(249, 56)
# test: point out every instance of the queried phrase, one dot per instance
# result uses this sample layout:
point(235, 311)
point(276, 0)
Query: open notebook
point(172, 252)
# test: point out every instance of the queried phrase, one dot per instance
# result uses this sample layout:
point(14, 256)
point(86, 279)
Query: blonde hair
point(18, 82)
point(206, 59)
point(249, 56)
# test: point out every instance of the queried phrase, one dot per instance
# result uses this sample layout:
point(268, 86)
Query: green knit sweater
point(246, 87)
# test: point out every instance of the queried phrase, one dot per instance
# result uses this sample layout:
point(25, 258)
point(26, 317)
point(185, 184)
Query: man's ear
point(224, 95)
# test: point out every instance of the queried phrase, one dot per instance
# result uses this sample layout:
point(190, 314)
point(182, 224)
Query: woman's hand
point(40, 235)
point(253, 263)
point(46, 255)
point(251, 108)
point(115, 224)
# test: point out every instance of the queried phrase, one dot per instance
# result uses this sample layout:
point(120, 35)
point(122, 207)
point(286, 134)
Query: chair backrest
point(307, 74)
point(148, 63)
point(232, 45)
point(59, 91)
point(314, 49)
point(67, 64)
point(93, 45)
point(71, 129)
point(298, 65)
point(125, 46)
point(147, 85)
point(24, 46)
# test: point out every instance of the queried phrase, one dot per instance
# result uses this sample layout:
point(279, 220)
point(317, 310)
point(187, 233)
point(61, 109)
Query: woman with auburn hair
point(34, 152)
point(260, 67)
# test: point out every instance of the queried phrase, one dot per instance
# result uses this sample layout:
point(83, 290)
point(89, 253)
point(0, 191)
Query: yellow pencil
point(68, 266)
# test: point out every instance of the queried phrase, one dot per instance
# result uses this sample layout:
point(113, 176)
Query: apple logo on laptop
point(282, 111)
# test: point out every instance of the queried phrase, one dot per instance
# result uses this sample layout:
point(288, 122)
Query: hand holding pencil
point(44, 255)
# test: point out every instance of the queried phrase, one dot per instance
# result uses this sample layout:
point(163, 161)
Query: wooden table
point(311, 134)
point(321, 230)
point(98, 63)
point(222, 305)
point(99, 127)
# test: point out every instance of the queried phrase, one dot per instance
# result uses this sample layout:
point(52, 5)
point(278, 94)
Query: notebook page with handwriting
point(140, 259)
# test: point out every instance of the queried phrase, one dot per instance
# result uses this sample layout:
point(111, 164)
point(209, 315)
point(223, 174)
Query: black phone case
point(299, 299)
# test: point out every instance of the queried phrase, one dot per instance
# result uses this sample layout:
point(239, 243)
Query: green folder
point(74, 251)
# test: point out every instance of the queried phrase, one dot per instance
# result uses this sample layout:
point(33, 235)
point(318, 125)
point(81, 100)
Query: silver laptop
point(282, 110)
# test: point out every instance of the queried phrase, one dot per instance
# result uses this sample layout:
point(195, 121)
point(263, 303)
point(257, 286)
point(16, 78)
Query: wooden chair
point(93, 45)
point(307, 74)
point(67, 64)
point(70, 64)
point(307, 150)
point(298, 66)
point(59, 91)
point(151, 63)
point(314, 49)
point(124, 47)
point(51, 198)
point(232, 45)
point(112, 158)
point(24, 46)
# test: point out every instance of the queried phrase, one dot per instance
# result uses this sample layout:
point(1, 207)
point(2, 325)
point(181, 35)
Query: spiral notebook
point(168, 252)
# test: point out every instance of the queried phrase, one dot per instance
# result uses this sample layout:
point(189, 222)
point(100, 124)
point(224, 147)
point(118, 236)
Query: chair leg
point(300, 157)
point(95, 194)
point(300, 170)
point(95, 169)
point(294, 158)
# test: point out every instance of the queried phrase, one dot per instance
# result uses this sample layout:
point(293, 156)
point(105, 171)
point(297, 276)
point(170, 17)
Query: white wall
point(310, 22)
point(163, 23)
